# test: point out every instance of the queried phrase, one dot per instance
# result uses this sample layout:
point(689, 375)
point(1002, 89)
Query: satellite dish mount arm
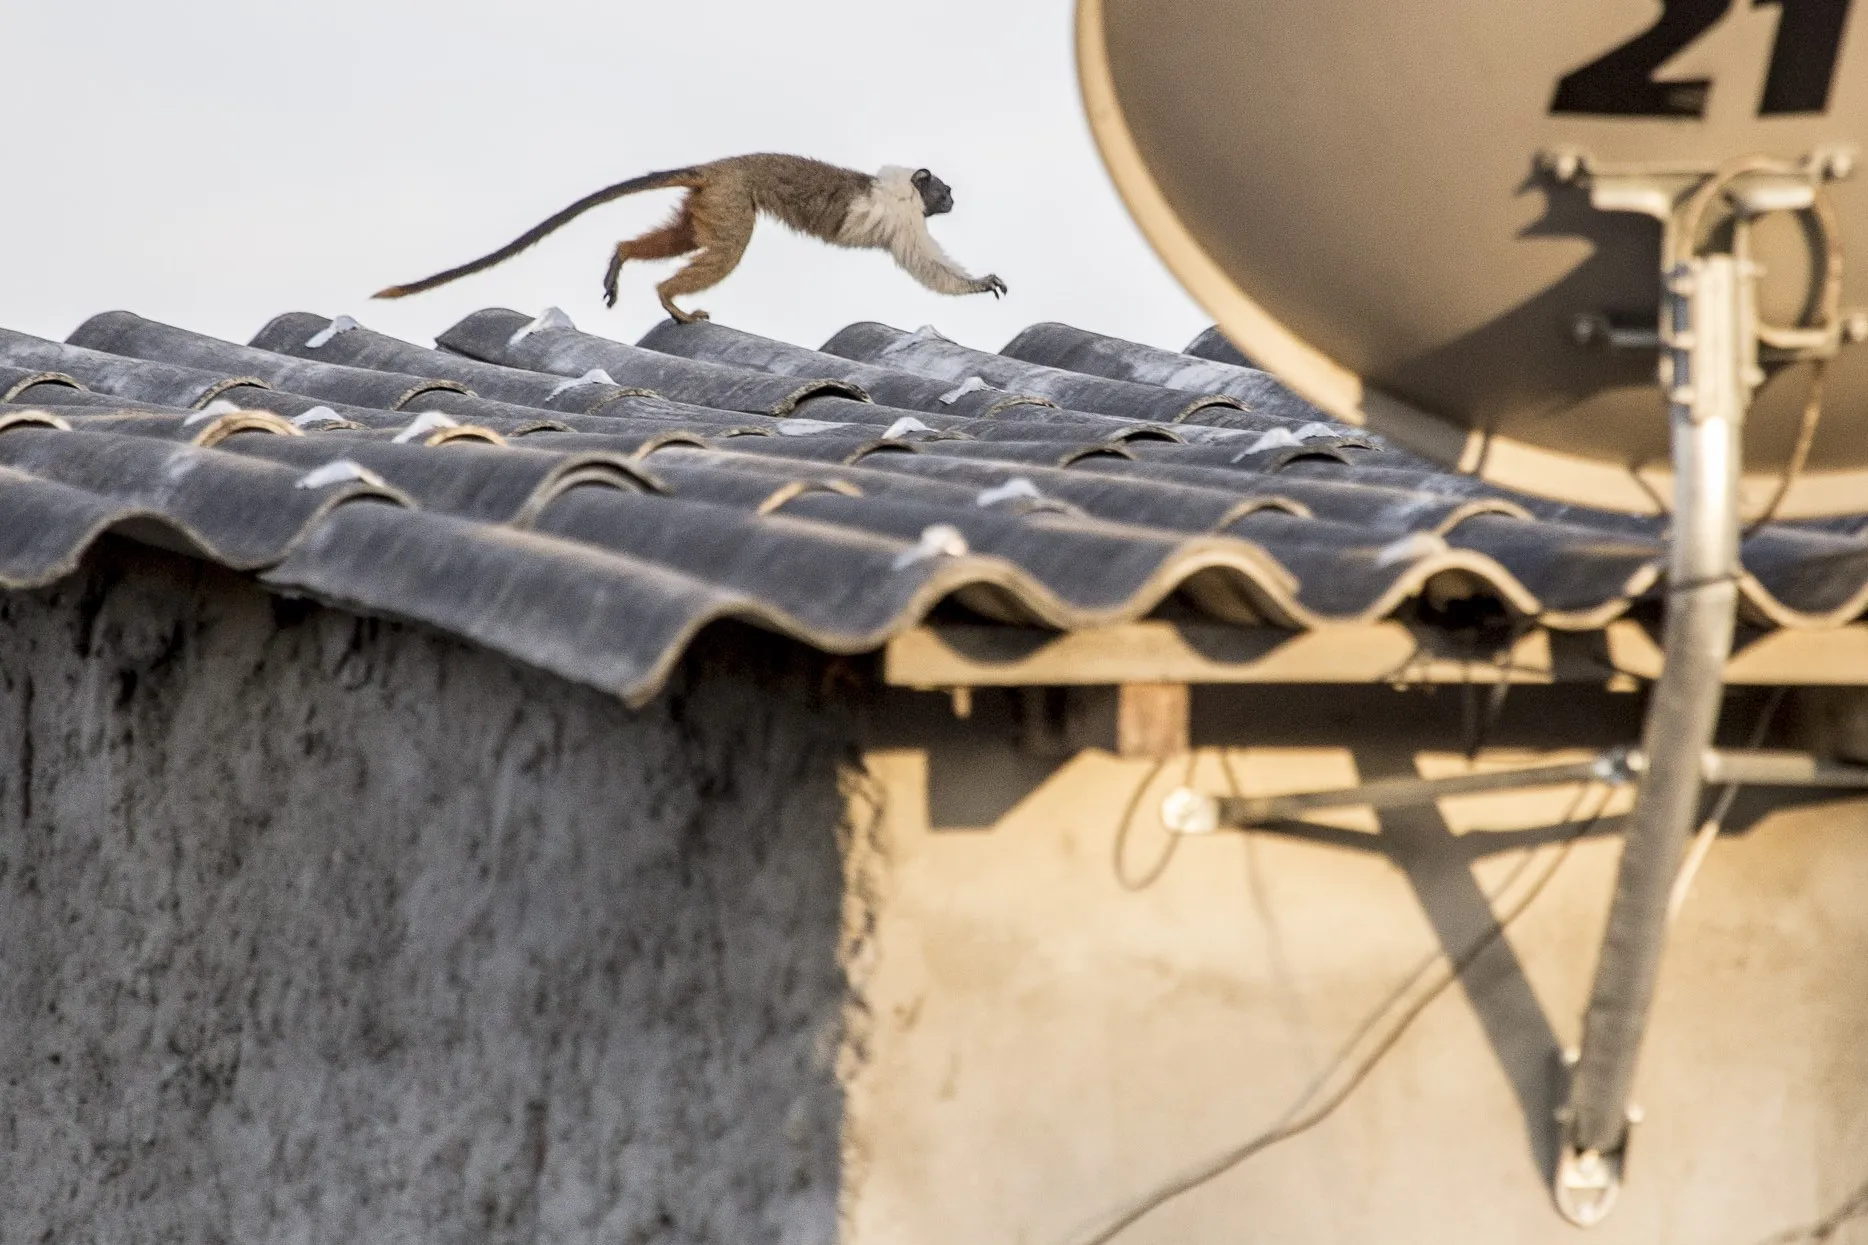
point(1713, 351)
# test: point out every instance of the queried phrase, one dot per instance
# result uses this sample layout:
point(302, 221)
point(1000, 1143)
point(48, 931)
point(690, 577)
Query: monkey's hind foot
point(686, 317)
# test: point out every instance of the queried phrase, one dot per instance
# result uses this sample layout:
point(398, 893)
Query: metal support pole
point(1713, 353)
point(1188, 811)
point(1752, 767)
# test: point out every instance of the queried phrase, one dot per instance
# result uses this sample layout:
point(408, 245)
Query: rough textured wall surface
point(315, 928)
point(1066, 1019)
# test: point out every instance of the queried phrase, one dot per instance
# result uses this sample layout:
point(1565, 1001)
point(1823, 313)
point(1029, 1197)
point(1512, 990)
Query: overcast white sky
point(214, 162)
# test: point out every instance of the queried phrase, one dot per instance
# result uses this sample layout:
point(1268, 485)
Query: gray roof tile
point(1077, 350)
point(510, 338)
point(586, 505)
point(929, 354)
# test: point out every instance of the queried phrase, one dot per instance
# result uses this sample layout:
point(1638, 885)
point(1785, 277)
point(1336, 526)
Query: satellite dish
point(1390, 206)
point(1591, 249)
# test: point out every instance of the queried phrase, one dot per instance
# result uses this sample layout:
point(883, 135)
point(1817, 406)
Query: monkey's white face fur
point(891, 204)
point(891, 216)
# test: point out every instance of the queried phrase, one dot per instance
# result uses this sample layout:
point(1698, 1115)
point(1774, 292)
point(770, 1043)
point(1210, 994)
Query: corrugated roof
point(586, 505)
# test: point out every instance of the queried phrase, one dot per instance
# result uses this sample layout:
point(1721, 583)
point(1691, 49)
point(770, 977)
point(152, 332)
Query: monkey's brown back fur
point(808, 195)
point(716, 219)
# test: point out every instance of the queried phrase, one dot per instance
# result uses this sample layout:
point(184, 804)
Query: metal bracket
point(1586, 1185)
point(1749, 189)
point(1587, 1182)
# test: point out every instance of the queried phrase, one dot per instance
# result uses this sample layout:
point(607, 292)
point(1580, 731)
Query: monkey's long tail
point(648, 181)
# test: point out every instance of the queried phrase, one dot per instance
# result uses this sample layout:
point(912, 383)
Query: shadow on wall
point(1012, 742)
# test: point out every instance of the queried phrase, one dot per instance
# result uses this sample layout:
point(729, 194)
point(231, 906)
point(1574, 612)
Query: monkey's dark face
point(936, 197)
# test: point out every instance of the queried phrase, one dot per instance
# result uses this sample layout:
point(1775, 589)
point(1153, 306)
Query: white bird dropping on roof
point(1275, 439)
point(903, 426)
point(938, 540)
point(424, 424)
point(1017, 486)
point(343, 324)
point(219, 406)
point(343, 471)
point(972, 384)
point(1411, 548)
point(316, 416)
point(550, 318)
point(799, 426)
point(595, 376)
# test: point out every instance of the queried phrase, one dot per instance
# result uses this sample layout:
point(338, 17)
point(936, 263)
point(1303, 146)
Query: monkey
point(884, 211)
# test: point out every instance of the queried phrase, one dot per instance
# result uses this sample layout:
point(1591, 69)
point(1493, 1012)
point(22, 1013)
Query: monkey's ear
point(920, 178)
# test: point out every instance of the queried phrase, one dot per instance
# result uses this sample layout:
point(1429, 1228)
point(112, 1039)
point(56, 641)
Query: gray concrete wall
point(319, 929)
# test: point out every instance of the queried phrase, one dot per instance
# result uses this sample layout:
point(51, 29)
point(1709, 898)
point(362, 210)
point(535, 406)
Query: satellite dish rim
point(1505, 461)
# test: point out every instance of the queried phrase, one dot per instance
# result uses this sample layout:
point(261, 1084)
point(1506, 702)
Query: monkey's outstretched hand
point(991, 283)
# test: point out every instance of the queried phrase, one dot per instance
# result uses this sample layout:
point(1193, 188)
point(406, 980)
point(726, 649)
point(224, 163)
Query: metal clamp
point(1588, 1182)
point(1679, 197)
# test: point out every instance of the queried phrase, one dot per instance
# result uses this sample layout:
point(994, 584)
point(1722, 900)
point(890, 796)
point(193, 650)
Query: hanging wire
point(1302, 1116)
point(1395, 997)
point(1478, 724)
point(1126, 825)
point(1800, 453)
point(1721, 809)
point(1854, 1208)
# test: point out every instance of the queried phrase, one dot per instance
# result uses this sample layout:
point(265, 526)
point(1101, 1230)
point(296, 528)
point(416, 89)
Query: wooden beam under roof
point(1622, 654)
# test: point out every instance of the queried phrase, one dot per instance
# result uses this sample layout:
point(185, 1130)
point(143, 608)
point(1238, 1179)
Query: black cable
point(1854, 1208)
point(1298, 1121)
point(1800, 452)
point(1479, 724)
point(1123, 827)
point(1722, 807)
point(1420, 970)
point(1714, 822)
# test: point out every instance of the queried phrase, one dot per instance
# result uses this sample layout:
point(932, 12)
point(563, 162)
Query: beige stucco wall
point(1043, 1046)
